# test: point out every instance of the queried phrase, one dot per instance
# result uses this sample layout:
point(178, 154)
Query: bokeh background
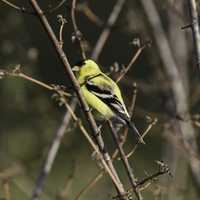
point(29, 117)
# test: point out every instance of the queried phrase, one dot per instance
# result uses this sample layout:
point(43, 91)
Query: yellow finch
point(103, 94)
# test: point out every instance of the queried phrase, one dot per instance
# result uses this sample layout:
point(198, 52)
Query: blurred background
point(29, 117)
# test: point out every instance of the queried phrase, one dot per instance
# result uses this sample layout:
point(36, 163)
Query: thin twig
point(106, 32)
point(11, 172)
point(52, 152)
point(95, 147)
point(16, 72)
point(100, 174)
point(95, 131)
point(62, 22)
point(132, 61)
point(195, 29)
point(197, 123)
point(18, 8)
point(66, 191)
point(56, 7)
point(127, 166)
point(6, 187)
point(77, 32)
point(176, 83)
point(83, 7)
point(24, 10)
point(131, 110)
point(91, 184)
point(149, 127)
point(61, 40)
point(163, 169)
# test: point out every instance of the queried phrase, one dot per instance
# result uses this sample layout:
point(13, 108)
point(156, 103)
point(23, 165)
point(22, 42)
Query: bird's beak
point(75, 69)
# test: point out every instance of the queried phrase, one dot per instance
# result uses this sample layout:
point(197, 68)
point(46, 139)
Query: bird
point(103, 95)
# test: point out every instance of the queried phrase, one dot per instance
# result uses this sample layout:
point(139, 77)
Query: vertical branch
point(53, 149)
point(152, 123)
point(180, 95)
point(195, 29)
point(95, 131)
point(132, 61)
point(170, 153)
point(106, 32)
point(6, 187)
point(94, 146)
point(58, 137)
point(62, 22)
point(127, 166)
point(98, 176)
point(77, 32)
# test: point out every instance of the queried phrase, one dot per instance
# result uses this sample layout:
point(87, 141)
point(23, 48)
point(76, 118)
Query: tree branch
point(187, 131)
point(85, 108)
point(24, 10)
point(127, 166)
point(106, 32)
point(195, 29)
point(77, 32)
point(52, 152)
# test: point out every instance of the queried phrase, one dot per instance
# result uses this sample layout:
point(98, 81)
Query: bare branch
point(18, 8)
point(62, 22)
point(91, 184)
point(127, 166)
point(179, 93)
point(195, 29)
point(52, 152)
point(83, 7)
point(132, 61)
point(106, 32)
point(6, 187)
point(149, 127)
point(85, 108)
point(77, 32)
point(24, 10)
point(56, 7)
point(123, 138)
point(95, 147)
point(66, 191)
point(16, 72)
point(163, 169)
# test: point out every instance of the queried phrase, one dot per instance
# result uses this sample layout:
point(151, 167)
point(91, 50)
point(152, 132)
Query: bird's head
point(86, 68)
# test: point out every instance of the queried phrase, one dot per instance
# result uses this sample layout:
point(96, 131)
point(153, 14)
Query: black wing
point(106, 95)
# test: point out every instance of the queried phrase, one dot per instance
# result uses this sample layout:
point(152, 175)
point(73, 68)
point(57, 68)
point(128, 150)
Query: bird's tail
point(135, 131)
